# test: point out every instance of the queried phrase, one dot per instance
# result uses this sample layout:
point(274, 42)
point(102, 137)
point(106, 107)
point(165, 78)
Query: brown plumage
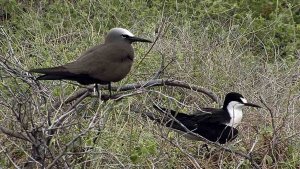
point(101, 64)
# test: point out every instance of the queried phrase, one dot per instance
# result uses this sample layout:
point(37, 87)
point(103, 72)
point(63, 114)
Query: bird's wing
point(184, 119)
point(211, 115)
point(85, 63)
point(54, 73)
point(172, 112)
point(216, 132)
point(90, 50)
point(51, 70)
point(201, 123)
point(104, 62)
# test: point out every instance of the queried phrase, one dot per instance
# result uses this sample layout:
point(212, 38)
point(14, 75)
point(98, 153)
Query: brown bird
point(101, 64)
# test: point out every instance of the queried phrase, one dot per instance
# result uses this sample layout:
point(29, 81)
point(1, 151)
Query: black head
point(236, 97)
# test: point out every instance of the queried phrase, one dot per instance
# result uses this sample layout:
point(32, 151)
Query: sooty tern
point(216, 125)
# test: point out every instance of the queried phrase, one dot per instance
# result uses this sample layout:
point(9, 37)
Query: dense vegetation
point(251, 47)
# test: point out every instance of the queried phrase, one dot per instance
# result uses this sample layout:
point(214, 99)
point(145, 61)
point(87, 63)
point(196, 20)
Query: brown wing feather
point(51, 70)
point(60, 73)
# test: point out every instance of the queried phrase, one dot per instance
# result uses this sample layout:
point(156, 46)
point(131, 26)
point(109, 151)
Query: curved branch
point(53, 128)
point(166, 82)
point(83, 93)
point(139, 85)
point(215, 144)
point(13, 133)
point(73, 97)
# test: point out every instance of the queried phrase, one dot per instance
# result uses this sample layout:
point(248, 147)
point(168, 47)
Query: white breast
point(235, 111)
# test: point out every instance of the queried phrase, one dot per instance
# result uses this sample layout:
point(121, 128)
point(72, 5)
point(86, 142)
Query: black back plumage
point(206, 123)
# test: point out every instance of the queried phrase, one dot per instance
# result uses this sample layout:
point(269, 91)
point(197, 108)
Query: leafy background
point(251, 47)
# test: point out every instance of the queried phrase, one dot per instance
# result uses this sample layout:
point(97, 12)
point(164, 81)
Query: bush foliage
point(247, 46)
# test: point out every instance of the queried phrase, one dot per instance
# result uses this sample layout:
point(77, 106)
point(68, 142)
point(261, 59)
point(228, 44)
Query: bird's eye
point(125, 36)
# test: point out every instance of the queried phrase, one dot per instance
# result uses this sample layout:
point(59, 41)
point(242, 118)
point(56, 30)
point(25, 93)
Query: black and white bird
point(216, 125)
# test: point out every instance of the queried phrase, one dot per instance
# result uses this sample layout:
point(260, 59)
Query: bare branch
point(73, 97)
point(137, 86)
point(59, 121)
point(271, 113)
point(156, 39)
point(194, 160)
point(9, 158)
point(13, 134)
point(162, 67)
point(167, 82)
point(91, 125)
point(215, 144)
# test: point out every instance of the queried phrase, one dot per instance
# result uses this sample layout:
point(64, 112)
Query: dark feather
point(211, 115)
point(61, 73)
point(202, 123)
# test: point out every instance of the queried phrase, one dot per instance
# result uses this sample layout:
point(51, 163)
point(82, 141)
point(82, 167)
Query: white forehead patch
point(243, 100)
point(122, 31)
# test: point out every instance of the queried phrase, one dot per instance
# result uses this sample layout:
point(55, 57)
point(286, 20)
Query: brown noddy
point(101, 64)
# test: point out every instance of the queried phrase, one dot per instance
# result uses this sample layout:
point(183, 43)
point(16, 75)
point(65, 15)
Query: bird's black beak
point(137, 39)
point(252, 105)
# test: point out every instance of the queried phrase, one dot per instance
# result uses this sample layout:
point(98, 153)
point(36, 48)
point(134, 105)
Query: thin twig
point(165, 82)
point(91, 125)
point(137, 86)
point(161, 69)
point(248, 157)
point(59, 121)
point(9, 158)
point(156, 39)
point(271, 113)
point(13, 134)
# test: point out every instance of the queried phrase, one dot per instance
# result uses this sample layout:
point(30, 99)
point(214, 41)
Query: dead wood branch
point(146, 84)
point(13, 134)
point(91, 125)
point(217, 145)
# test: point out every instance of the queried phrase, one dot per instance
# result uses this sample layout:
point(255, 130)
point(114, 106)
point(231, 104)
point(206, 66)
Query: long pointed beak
point(137, 39)
point(252, 105)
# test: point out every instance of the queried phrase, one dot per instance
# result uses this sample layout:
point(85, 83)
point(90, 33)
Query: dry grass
point(38, 37)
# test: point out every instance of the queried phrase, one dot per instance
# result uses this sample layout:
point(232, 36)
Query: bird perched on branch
point(101, 64)
point(216, 125)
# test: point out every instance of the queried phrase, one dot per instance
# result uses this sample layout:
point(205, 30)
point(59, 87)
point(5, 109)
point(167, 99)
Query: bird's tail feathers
point(164, 110)
point(150, 115)
point(53, 73)
point(51, 70)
